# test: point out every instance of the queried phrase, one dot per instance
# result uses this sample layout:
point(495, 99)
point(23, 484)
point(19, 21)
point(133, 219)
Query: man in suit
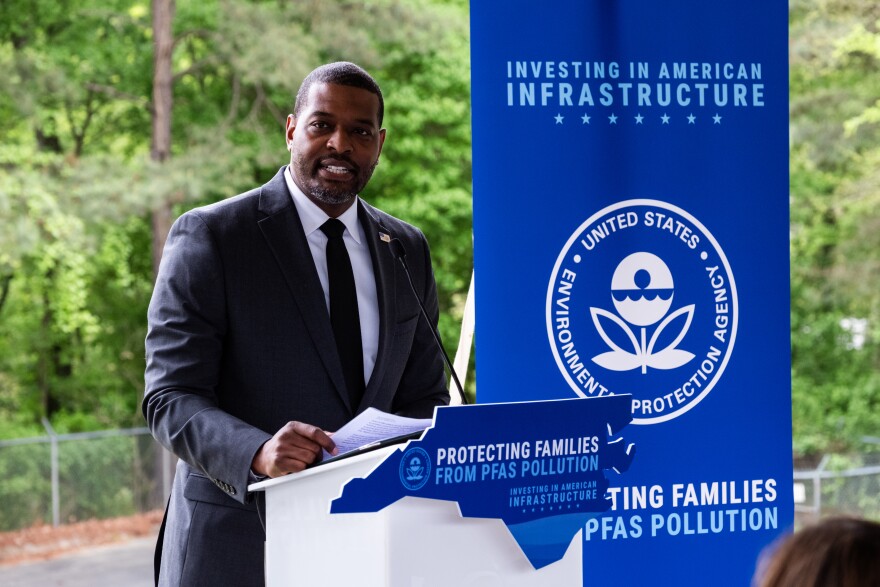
point(247, 370)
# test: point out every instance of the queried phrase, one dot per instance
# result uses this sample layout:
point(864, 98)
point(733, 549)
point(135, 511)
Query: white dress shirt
point(312, 217)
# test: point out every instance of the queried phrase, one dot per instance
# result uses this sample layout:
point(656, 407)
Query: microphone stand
point(399, 253)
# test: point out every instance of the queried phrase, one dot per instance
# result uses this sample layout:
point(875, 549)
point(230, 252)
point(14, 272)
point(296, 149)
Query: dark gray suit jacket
point(240, 343)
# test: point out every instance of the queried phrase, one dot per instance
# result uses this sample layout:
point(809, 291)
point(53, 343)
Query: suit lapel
point(283, 231)
point(384, 269)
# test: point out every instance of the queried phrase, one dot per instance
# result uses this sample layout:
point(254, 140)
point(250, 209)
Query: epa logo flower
point(415, 470)
point(642, 289)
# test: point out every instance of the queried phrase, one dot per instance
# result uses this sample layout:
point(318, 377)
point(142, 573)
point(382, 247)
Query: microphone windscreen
point(397, 249)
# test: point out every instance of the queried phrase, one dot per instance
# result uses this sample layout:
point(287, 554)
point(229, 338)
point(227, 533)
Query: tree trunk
point(161, 223)
point(160, 150)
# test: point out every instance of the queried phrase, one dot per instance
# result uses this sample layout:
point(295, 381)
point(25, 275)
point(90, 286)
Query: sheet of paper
point(374, 425)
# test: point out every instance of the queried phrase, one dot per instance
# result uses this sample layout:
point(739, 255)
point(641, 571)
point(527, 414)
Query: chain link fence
point(64, 478)
point(838, 484)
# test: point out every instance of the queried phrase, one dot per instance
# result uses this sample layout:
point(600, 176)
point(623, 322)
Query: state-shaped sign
point(540, 467)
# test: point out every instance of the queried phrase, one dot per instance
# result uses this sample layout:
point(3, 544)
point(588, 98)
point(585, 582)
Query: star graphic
point(558, 118)
point(717, 119)
point(691, 119)
point(585, 119)
point(665, 119)
point(612, 119)
point(639, 118)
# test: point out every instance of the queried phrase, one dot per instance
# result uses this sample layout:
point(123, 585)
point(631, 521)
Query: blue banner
point(631, 237)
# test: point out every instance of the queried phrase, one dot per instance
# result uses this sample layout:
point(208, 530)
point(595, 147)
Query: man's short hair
point(341, 73)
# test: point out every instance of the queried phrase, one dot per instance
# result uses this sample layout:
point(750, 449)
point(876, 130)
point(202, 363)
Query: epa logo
point(415, 468)
point(642, 291)
point(642, 300)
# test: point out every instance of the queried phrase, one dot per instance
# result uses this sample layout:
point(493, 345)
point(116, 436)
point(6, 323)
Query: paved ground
point(119, 565)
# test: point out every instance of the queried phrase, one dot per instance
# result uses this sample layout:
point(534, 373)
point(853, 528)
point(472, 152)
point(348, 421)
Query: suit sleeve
point(184, 346)
point(423, 384)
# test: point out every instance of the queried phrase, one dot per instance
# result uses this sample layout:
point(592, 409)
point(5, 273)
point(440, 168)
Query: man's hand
point(292, 449)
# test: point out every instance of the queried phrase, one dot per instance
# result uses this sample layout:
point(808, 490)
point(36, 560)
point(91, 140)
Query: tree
point(84, 190)
point(160, 149)
point(835, 63)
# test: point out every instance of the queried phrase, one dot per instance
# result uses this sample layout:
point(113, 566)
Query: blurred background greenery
point(88, 185)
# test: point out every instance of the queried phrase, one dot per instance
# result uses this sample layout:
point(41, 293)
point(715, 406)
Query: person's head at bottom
point(836, 552)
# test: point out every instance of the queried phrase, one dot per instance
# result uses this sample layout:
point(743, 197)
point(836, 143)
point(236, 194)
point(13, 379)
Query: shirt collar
point(312, 217)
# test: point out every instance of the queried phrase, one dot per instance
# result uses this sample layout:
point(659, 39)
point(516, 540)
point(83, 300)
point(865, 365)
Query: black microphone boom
point(400, 254)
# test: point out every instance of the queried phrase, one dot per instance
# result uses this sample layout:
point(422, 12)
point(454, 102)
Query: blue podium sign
point(631, 237)
point(543, 468)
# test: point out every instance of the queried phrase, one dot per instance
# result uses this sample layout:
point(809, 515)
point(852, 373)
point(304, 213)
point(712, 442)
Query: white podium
point(412, 543)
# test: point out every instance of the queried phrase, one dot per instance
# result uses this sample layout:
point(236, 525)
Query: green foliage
point(70, 330)
point(835, 191)
point(77, 186)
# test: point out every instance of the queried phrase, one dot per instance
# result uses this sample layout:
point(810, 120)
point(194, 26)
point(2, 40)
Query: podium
point(413, 543)
point(402, 540)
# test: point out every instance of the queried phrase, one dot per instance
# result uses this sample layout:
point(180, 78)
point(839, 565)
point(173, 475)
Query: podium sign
point(542, 468)
point(631, 237)
point(490, 495)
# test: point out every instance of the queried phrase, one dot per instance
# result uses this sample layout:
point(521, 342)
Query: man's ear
point(381, 141)
point(289, 128)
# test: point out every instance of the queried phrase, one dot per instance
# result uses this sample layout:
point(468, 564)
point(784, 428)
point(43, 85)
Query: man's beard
point(330, 194)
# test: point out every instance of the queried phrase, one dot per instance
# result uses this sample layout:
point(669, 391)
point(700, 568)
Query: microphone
point(400, 254)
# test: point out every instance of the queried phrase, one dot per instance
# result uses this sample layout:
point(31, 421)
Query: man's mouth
point(336, 168)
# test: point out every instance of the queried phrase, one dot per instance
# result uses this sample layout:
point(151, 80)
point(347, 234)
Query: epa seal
point(642, 300)
point(415, 468)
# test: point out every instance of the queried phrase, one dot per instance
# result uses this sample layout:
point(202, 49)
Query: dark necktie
point(344, 310)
